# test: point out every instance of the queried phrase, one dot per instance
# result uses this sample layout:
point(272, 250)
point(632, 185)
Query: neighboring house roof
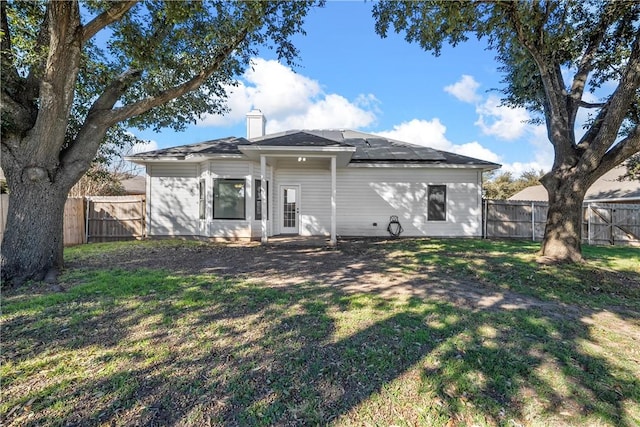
point(134, 185)
point(606, 189)
point(362, 147)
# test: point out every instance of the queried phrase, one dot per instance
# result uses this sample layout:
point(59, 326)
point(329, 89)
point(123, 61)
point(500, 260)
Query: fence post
point(143, 225)
point(590, 209)
point(87, 220)
point(613, 228)
point(486, 213)
point(533, 222)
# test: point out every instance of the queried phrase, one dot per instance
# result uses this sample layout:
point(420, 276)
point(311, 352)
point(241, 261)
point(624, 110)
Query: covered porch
point(288, 189)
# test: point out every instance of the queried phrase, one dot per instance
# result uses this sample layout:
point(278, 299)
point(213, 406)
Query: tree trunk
point(563, 231)
point(32, 244)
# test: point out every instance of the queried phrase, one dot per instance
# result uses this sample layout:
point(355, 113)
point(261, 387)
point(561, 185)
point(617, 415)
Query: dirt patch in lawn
point(369, 333)
point(358, 265)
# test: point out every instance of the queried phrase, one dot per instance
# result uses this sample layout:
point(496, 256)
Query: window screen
point(229, 199)
point(437, 203)
point(258, 199)
point(202, 207)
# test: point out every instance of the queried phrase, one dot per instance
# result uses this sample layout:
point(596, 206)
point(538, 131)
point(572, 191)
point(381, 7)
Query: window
point(258, 199)
point(203, 211)
point(437, 203)
point(229, 199)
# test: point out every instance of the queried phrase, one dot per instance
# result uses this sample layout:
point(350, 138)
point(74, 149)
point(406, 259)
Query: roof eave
point(419, 164)
point(274, 148)
point(341, 153)
point(189, 158)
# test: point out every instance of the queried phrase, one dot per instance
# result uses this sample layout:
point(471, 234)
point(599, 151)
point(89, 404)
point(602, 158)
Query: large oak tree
point(553, 54)
point(75, 75)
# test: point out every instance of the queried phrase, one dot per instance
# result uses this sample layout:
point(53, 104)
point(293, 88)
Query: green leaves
point(429, 23)
point(166, 45)
point(24, 20)
point(594, 35)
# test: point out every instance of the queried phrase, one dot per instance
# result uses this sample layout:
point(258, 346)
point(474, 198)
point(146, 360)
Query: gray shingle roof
point(216, 146)
point(369, 148)
point(296, 139)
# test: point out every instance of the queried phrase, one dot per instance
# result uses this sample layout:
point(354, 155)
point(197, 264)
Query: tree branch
point(17, 117)
point(57, 84)
point(586, 62)
point(555, 106)
point(7, 54)
point(11, 81)
point(36, 71)
point(585, 104)
point(145, 105)
point(624, 149)
point(101, 116)
point(618, 104)
point(113, 14)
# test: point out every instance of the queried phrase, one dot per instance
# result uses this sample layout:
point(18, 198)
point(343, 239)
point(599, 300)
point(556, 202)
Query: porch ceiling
point(342, 154)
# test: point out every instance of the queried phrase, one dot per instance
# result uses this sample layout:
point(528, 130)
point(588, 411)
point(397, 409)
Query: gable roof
point(606, 189)
point(369, 148)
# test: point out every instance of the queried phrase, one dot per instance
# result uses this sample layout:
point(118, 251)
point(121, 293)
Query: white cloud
point(150, 145)
point(464, 89)
point(501, 121)
point(420, 132)
point(331, 112)
point(542, 153)
point(431, 133)
point(292, 101)
point(474, 149)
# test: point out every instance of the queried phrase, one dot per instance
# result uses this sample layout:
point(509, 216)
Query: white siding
point(364, 196)
point(371, 195)
point(173, 199)
point(315, 203)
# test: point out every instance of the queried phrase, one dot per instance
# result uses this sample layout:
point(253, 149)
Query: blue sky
point(349, 77)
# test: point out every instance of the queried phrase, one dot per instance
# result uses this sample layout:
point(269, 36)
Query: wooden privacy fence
point(115, 218)
point(602, 223)
point(611, 224)
point(73, 228)
point(96, 219)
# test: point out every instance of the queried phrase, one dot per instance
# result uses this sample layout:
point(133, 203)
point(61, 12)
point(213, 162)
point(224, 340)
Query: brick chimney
point(256, 122)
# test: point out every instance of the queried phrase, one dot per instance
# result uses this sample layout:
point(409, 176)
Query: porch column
point(263, 197)
point(334, 239)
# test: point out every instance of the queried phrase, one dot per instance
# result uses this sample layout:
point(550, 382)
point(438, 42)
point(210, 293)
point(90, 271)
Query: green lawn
point(151, 346)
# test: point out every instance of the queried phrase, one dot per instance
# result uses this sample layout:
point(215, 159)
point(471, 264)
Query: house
point(310, 183)
point(607, 189)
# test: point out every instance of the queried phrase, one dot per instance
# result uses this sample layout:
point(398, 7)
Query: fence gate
point(115, 218)
point(612, 224)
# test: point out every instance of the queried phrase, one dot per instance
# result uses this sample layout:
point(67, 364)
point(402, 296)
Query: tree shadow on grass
point(156, 348)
